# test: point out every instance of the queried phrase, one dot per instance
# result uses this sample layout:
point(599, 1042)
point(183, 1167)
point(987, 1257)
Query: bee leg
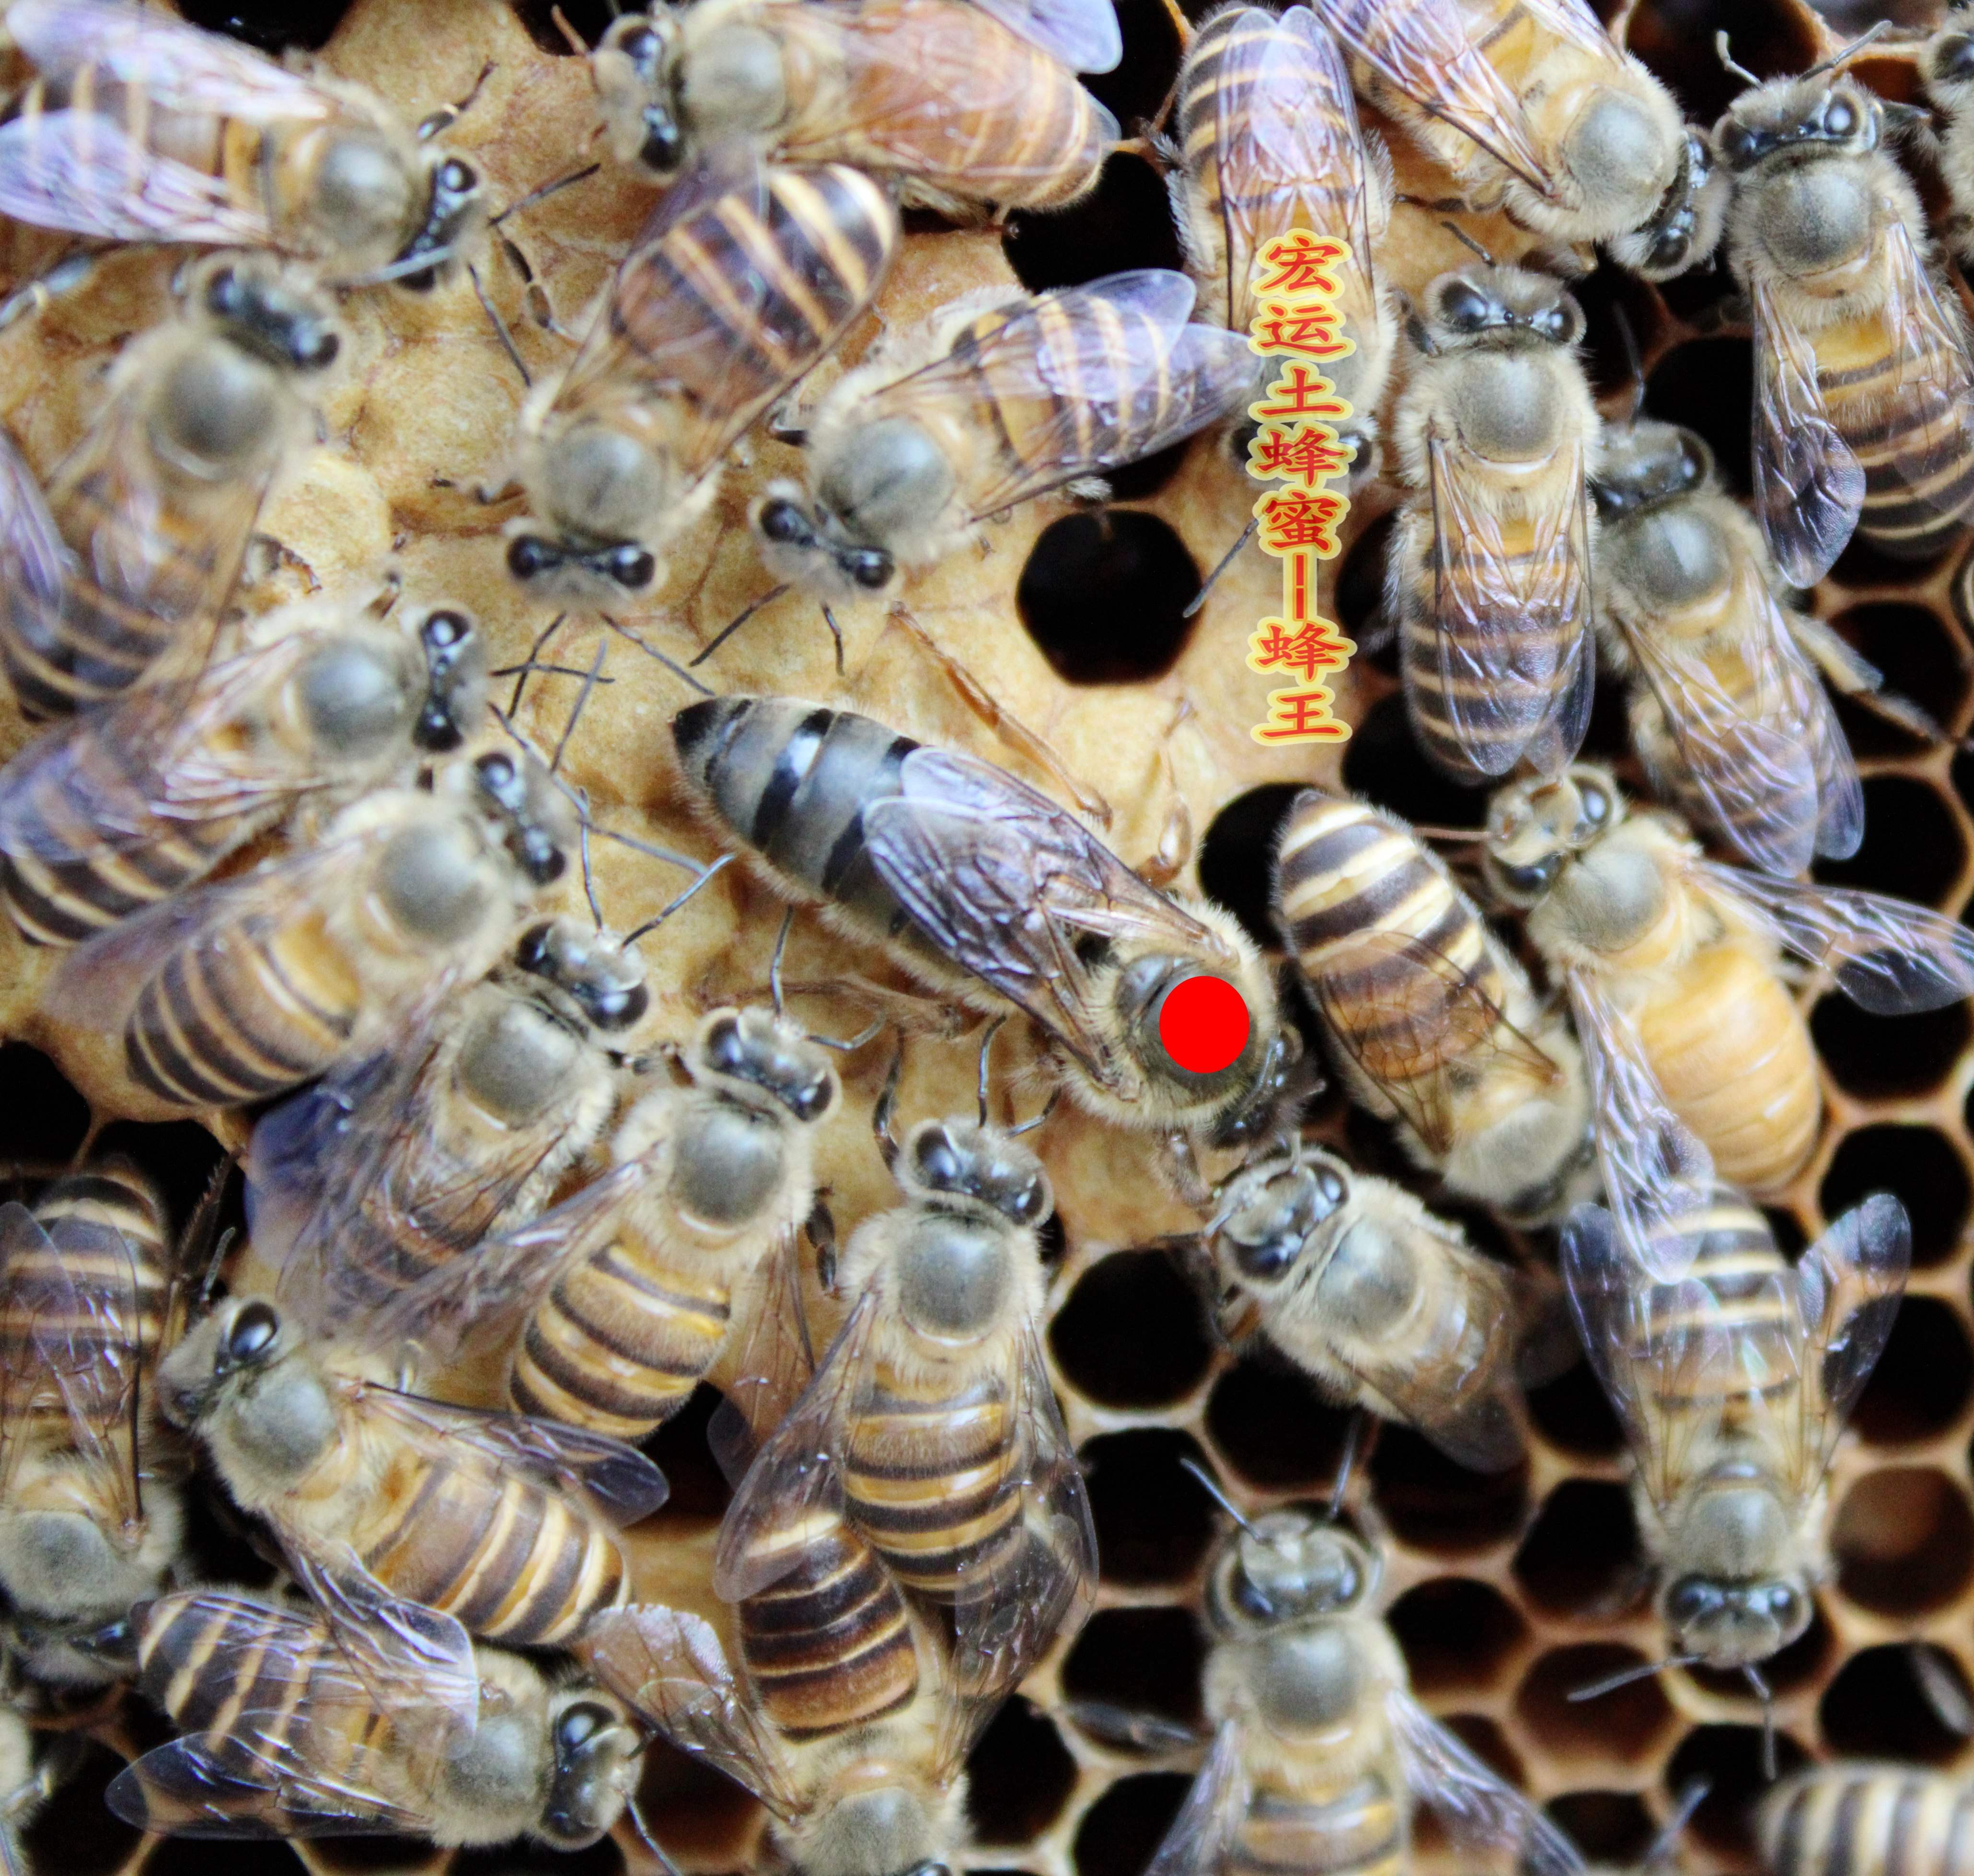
point(821, 1228)
point(1861, 681)
point(1175, 848)
point(448, 115)
point(888, 1105)
point(910, 1012)
point(1182, 1165)
point(63, 277)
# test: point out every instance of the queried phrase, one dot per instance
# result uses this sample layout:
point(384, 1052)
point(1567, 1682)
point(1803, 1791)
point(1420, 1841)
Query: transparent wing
point(34, 563)
point(1809, 488)
point(1656, 1170)
point(1887, 955)
point(670, 1668)
point(1932, 391)
point(1204, 1827)
point(230, 1785)
point(775, 1364)
point(1008, 885)
point(1083, 35)
point(1480, 1812)
point(1848, 1284)
point(1574, 21)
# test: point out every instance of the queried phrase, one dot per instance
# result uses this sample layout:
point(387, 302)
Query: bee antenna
point(1596, 1690)
point(1210, 1486)
point(499, 325)
point(426, 260)
point(1047, 1108)
point(1692, 1795)
point(835, 632)
point(986, 1044)
point(202, 1303)
point(1226, 561)
point(727, 631)
point(1344, 1463)
point(583, 826)
point(644, 1830)
point(1452, 836)
point(528, 664)
point(555, 186)
point(677, 670)
point(1466, 240)
point(775, 962)
point(888, 1103)
point(849, 1045)
point(1633, 361)
point(1850, 51)
point(1726, 58)
point(705, 874)
point(582, 699)
point(1765, 1695)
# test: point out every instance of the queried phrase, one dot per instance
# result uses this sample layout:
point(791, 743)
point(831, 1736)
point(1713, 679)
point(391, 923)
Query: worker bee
point(1699, 1060)
point(1947, 66)
point(400, 1162)
point(1726, 713)
point(1531, 107)
point(109, 812)
point(1886, 1819)
point(91, 1517)
point(1382, 1303)
point(142, 128)
point(1733, 1381)
point(742, 280)
point(938, 93)
point(284, 1738)
point(1434, 1021)
point(247, 988)
point(1321, 1752)
point(1269, 143)
point(992, 402)
point(1490, 569)
point(1864, 387)
point(987, 892)
point(148, 519)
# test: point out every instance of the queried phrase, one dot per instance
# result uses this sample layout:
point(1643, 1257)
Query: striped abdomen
point(933, 1483)
point(1361, 1833)
point(1868, 1820)
point(827, 1646)
point(512, 1560)
point(791, 781)
point(237, 1016)
point(1381, 932)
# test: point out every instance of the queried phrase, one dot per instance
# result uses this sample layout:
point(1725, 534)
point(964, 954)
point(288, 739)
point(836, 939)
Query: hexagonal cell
point(1917, 1165)
point(1237, 858)
point(1131, 1334)
point(1129, 1661)
point(1707, 385)
point(680, 1449)
point(1103, 595)
point(1728, 1760)
point(181, 1155)
point(1878, 1707)
point(1903, 1540)
point(1138, 87)
point(76, 1832)
point(1119, 1832)
point(1624, 1726)
point(1456, 1633)
point(1884, 1057)
point(1913, 848)
point(1606, 1826)
point(1019, 1776)
point(1124, 222)
point(42, 1119)
point(1381, 762)
point(1573, 1413)
point(1583, 1555)
point(695, 1812)
point(1920, 658)
point(1273, 1426)
point(1433, 1504)
point(1920, 1384)
point(1154, 1519)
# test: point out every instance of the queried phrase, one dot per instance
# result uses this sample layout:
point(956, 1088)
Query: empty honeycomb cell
point(1154, 1519)
point(1883, 1057)
point(1903, 1540)
point(1921, 659)
point(181, 1155)
point(1140, 480)
point(1237, 856)
point(604, 1859)
point(1484, 1738)
point(1918, 1167)
point(1913, 848)
point(1458, 1634)
point(1131, 1332)
point(76, 1832)
point(1019, 1776)
point(1104, 595)
point(1877, 1707)
point(1920, 1385)
point(1273, 1426)
point(185, 1856)
point(590, 18)
point(1381, 762)
point(1606, 1826)
point(1728, 1760)
point(1581, 1556)
point(1121, 1831)
point(680, 1450)
point(1357, 593)
point(294, 26)
point(1129, 1662)
point(1707, 385)
point(695, 1811)
point(1791, 1239)
point(45, 1118)
point(1136, 89)
point(1125, 221)
point(1433, 1504)
point(359, 1856)
point(1573, 1413)
point(1625, 1726)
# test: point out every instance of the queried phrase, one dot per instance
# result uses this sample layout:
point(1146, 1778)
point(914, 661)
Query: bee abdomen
point(1915, 452)
point(1361, 1833)
point(1840, 1820)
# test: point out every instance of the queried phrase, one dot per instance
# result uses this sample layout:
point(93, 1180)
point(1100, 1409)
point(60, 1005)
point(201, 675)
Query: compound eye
point(630, 567)
point(1593, 804)
point(1840, 116)
point(498, 775)
point(783, 520)
point(937, 1159)
point(618, 1008)
point(533, 952)
point(251, 1334)
point(1955, 57)
point(871, 568)
point(317, 351)
point(445, 628)
point(1551, 322)
point(1670, 249)
point(810, 1100)
point(1267, 1258)
point(641, 45)
point(528, 556)
point(1463, 306)
point(1740, 144)
point(1329, 1187)
point(581, 1723)
point(1691, 1599)
point(1025, 1204)
point(457, 178)
point(1529, 883)
point(724, 1048)
point(223, 295)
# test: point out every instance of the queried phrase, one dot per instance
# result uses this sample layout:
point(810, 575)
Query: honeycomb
point(1506, 1592)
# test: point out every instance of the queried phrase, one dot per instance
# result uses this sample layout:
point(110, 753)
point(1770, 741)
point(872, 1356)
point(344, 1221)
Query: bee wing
point(1572, 20)
point(1521, 632)
point(799, 1470)
point(1200, 1835)
point(71, 1323)
point(1423, 48)
point(1006, 884)
point(1802, 704)
point(1478, 1810)
point(1648, 1339)
point(775, 1364)
point(34, 562)
point(670, 1667)
point(1656, 1170)
point(619, 1483)
point(1888, 956)
point(1847, 1287)
point(1809, 488)
point(1083, 35)
point(1933, 386)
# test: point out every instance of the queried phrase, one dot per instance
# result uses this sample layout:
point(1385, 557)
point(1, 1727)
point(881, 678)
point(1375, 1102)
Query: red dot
point(1204, 1024)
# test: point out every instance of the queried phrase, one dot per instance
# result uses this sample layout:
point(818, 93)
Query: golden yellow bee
point(1874, 1819)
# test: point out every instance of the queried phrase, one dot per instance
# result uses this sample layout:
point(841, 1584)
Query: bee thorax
point(728, 1165)
point(1674, 554)
point(1506, 405)
point(216, 410)
point(1307, 1680)
point(732, 83)
point(1735, 1529)
point(1815, 216)
point(516, 1060)
point(1369, 1282)
point(875, 1833)
point(886, 479)
point(952, 1278)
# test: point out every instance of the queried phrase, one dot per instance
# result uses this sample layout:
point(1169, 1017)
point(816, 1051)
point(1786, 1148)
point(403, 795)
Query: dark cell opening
point(1625, 1725)
point(273, 26)
point(1457, 1635)
point(1878, 1708)
point(186, 1856)
point(1133, 1661)
point(1918, 1167)
point(1573, 1413)
point(590, 18)
point(1142, 480)
point(386, 1856)
point(1920, 1383)
point(1884, 1057)
point(1360, 590)
point(530, 1858)
point(1913, 848)
point(1903, 1540)
point(1436, 1505)
point(1582, 1556)
point(680, 1450)
point(1131, 1334)
point(1154, 1519)
point(1274, 1427)
point(1921, 661)
point(694, 1811)
point(1104, 595)
point(1728, 1760)
point(1237, 858)
point(180, 1156)
point(1865, 563)
point(76, 1832)
point(1383, 763)
point(1125, 221)
point(1708, 384)
point(1120, 1831)
point(1019, 1776)
point(42, 1119)
point(1135, 89)
point(1607, 1826)
point(1791, 1238)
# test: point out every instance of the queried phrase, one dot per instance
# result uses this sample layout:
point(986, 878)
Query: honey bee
point(1864, 389)
point(1733, 1381)
point(742, 280)
point(1434, 1021)
point(988, 893)
point(1269, 142)
point(1726, 713)
point(90, 1517)
point(142, 128)
point(109, 812)
point(395, 1164)
point(1947, 66)
point(148, 519)
point(1699, 1060)
point(1884, 1819)
point(245, 988)
point(938, 93)
point(284, 1738)
point(1531, 107)
point(1384, 1304)
point(988, 405)
point(1490, 570)
point(1321, 1752)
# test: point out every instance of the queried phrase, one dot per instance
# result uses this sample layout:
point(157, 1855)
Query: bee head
point(1646, 463)
point(633, 69)
point(453, 203)
point(1732, 1625)
point(269, 311)
point(1819, 115)
point(1686, 227)
point(534, 824)
point(1268, 1213)
point(954, 1160)
point(807, 546)
point(604, 981)
point(550, 569)
point(455, 699)
point(1488, 304)
point(596, 1764)
point(1286, 1567)
point(756, 1050)
point(1534, 827)
point(1948, 59)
